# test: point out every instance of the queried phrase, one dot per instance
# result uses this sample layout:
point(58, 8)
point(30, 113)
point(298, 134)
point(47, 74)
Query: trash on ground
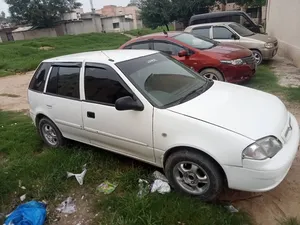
point(231, 208)
point(106, 187)
point(159, 176)
point(68, 206)
point(144, 188)
point(33, 213)
point(22, 198)
point(79, 177)
point(161, 187)
point(20, 185)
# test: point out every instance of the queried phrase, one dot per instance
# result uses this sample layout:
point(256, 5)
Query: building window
point(116, 25)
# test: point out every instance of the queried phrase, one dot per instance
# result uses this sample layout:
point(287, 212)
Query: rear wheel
point(212, 74)
point(194, 174)
point(50, 133)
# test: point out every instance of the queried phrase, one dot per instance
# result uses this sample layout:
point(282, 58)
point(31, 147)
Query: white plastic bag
point(159, 176)
point(68, 206)
point(79, 177)
point(161, 187)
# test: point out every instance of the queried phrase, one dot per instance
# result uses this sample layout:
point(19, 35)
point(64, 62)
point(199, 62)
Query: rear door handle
point(91, 115)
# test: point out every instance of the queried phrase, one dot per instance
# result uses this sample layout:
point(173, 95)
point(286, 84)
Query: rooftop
point(103, 56)
point(209, 24)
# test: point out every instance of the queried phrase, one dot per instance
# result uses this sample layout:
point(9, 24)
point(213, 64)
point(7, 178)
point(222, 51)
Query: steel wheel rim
point(49, 134)
point(211, 76)
point(191, 177)
point(257, 57)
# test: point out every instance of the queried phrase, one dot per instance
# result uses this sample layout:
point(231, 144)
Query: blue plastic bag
point(30, 213)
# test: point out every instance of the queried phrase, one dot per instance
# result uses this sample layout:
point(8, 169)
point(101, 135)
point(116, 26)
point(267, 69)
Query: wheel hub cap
point(49, 134)
point(211, 76)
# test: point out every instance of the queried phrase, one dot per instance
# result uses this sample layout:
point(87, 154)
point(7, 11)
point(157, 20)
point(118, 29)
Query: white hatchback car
point(143, 104)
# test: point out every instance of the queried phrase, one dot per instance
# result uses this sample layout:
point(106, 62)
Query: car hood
point(248, 112)
point(229, 51)
point(263, 37)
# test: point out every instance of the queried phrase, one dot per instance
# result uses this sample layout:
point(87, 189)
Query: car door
point(223, 34)
point(61, 101)
point(126, 132)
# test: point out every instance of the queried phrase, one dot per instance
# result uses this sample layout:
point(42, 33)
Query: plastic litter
point(30, 213)
point(22, 198)
point(106, 187)
point(144, 188)
point(68, 206)
point(79, 177)
point(159, 176)
point(161, 187)
point(231, 208)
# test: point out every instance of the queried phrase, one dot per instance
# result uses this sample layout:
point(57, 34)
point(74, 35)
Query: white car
point(144, 104)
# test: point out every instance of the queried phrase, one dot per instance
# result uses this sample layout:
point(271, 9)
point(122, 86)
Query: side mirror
point(235, 37)
point(183, 53)
point(127, 103)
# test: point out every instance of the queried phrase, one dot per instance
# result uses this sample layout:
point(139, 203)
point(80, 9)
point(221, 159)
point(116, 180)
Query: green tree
point(40, 12)
point(156, 13)
point(3, 15)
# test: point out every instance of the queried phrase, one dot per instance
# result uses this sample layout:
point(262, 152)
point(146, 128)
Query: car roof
point(115, 56)
point(209, 24)
point(216, 14)
point(159, 34)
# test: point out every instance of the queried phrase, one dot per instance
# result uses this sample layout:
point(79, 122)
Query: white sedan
point(144, 104)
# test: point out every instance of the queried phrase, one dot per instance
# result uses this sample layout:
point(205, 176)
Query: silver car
point(263, 46)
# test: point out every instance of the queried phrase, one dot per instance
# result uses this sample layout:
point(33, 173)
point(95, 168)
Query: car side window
point(222, 33)
point(143, 45)
point(202, 31)
point(103, 85)
point(38, 80)
point(64, 81)
point(167, 47)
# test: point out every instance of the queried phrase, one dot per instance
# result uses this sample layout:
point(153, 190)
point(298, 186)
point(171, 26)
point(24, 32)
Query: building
point(130, 12)
point(75, 14)
point(283, 23)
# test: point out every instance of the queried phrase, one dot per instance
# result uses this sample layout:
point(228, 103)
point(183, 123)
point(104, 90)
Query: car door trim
point(68, 124)
point(114, 136)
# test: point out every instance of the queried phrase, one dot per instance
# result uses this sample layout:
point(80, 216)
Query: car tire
point(258, 56)
point(50, 134)
point(194, 173)
point(212, 74)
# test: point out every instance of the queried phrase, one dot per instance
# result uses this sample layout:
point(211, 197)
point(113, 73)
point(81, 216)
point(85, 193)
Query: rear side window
point(102, 85)
point(64, 81)
point(144, 45)
point(38, 80)
point(167, 47)
point(203, 31)
point(222, 33)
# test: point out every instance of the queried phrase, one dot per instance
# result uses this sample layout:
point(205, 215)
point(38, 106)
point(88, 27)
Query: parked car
point(211, 59)
point(146, 105)
point(263, 46)
point(228, 16)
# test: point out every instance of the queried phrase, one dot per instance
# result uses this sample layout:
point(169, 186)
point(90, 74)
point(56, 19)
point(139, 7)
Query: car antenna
point(109, 59)
point(165, 32)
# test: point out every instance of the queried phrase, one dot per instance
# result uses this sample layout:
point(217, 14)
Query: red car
point(211, 59)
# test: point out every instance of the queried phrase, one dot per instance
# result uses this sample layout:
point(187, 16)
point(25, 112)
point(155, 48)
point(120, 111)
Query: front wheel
point(194, 174)
point(257, 56)
point(212, 74)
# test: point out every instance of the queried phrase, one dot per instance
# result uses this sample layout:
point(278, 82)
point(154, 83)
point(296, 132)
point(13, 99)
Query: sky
point(86, 4)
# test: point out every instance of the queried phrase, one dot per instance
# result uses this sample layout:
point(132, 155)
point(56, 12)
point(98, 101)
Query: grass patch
point(266, 80)
point(145, 31)
point(23, 56)
point(42, 171)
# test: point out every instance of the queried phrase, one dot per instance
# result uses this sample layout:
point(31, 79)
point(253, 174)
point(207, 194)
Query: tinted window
point(241, 30)
point(222, 33)
point(168, 48)
point(103, 85)
point(203, 31)
point(195, 41)
point(144, 45)
point(37, 82)
point(64, 81)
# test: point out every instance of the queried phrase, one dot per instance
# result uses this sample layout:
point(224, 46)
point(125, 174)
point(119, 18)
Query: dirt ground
point(266, 208)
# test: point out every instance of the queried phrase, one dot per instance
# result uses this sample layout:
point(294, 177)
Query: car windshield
point(241, 30)
point(164, 81)
point(198, 42)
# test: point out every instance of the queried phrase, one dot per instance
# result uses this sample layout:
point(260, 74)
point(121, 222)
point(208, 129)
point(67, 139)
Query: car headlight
point(269, 45)
point(263, 149)
point(233, 62)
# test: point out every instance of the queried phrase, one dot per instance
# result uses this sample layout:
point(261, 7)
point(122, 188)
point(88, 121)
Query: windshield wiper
point(198, 90)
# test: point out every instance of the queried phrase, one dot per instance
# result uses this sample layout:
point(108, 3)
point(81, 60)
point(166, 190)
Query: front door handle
point(91, 115)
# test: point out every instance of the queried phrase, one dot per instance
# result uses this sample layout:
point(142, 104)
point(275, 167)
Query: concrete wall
point(283, 22)
point(124, 24)
point(33, 34)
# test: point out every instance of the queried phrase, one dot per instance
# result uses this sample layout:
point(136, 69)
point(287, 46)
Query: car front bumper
point(271, 172)
point(269, 53)
point(238, 74)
